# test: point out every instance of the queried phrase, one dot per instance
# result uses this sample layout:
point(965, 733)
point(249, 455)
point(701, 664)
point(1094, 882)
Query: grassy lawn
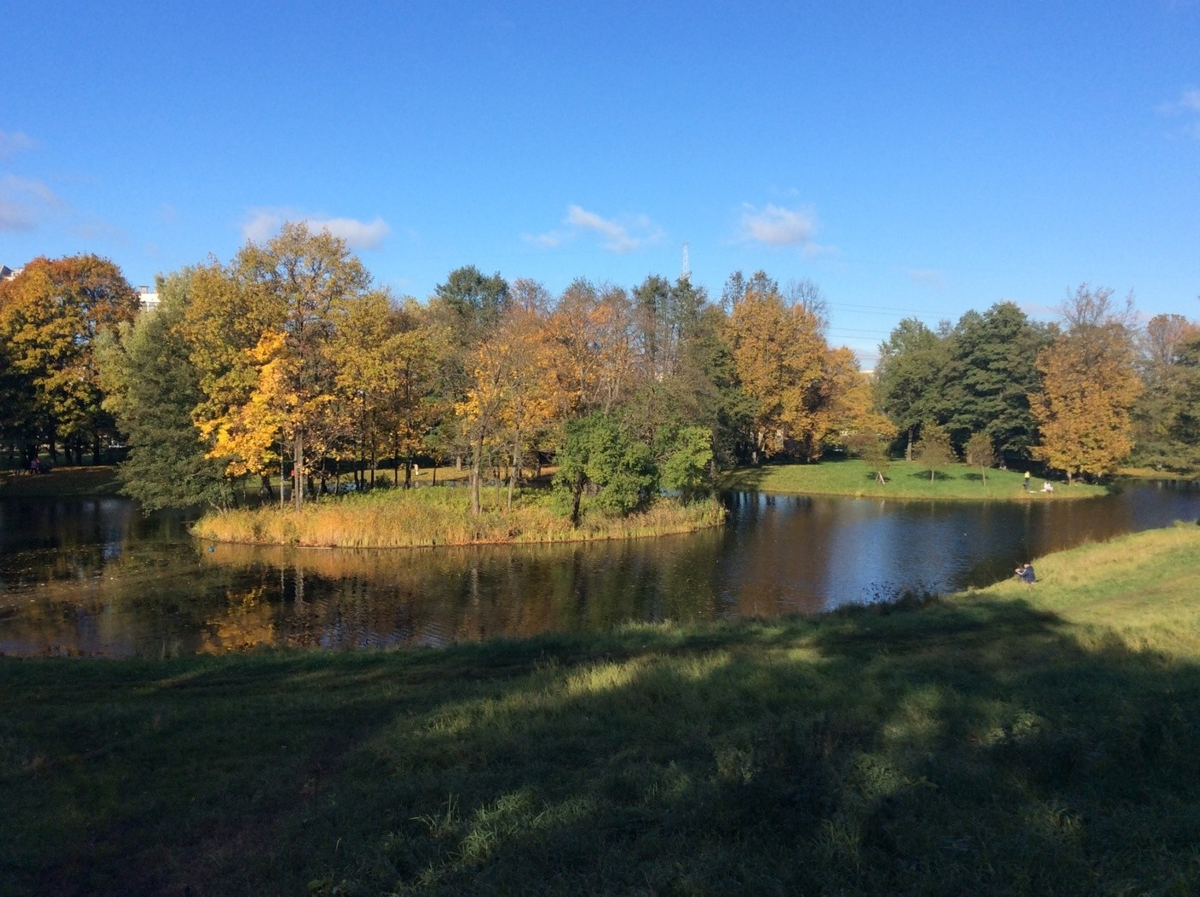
point(61, 482)
point(1010, 740)
point(905, 479)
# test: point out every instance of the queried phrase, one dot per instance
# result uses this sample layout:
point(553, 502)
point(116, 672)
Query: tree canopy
point(287, 361)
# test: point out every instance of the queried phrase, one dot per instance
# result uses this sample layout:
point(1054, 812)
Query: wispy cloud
point(1187, 107)
point(625, 233)
point(1190, 100)
point(263, 224)
point(24, 202)
point(14, 142)
point(927, 276)
point(775, 225)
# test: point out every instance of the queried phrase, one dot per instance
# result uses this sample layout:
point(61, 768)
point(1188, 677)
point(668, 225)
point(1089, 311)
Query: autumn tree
point(779, 354)
point(1089, 385)
point(51, 315)
point(271, 376)
point(511, 393)
point(468, 306)
point(848, 403)
point(593, 325)
point(388, 356)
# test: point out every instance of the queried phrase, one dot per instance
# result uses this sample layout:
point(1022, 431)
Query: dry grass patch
point(431, 517)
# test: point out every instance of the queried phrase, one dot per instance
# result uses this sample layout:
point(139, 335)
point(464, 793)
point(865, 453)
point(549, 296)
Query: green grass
point(1010, 740)
point(407, 518)
point(904, 480)
point(61, 482)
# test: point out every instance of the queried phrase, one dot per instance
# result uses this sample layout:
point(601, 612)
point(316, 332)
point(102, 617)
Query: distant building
point(7, 273)
point(148, 299)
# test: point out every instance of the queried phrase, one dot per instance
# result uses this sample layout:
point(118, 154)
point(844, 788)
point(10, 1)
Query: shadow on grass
point(925, 475)
point(970, 747)
point(748, 479)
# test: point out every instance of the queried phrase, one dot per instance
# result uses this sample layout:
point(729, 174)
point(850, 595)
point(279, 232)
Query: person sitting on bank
point(1026, 575)
point(1047, 487)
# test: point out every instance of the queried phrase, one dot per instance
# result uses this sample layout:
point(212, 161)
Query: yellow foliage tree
point(251, 435)
point(300, 285)
point(513, 392)
point(1089, 385)
point(780, 354)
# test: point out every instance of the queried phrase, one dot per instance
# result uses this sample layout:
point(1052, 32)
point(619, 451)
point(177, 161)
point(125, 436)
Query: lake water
point(96, 577)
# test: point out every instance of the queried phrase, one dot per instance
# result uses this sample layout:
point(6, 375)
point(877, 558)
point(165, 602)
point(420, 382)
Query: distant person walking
point(1025, 482)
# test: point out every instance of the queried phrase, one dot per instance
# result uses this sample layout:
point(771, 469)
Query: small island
point(441, 516)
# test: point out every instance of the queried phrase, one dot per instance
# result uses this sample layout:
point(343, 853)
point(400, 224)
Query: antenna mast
point(686, 272)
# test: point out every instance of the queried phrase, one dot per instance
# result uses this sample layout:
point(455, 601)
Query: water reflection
point(97, 577)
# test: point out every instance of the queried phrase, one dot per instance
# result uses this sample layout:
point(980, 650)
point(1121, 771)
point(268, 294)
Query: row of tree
point(1081, 395)
point(288, 358)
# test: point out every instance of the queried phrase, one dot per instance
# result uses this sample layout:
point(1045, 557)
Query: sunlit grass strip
point(430, 517)
point(904, 480)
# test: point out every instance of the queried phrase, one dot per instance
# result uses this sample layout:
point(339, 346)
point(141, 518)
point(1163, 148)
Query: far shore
point(906, 480)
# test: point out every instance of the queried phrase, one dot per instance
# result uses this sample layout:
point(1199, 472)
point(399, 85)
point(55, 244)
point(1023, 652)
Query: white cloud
point(619, 234)
point(548, 240)
point(1190, 100)
point(623, 234)
point(265, 224)
point(778, 226)
point(1187, 106)
point(13, 143)
point(357, 234)
point(927, 276)
point(24, 202)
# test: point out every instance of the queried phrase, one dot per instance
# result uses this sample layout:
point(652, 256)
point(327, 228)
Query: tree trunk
point(298, 472)
point(576, 497)
point(476, 476)
point(513, 472)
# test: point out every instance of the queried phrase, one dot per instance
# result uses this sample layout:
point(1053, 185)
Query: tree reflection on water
point(98, 578)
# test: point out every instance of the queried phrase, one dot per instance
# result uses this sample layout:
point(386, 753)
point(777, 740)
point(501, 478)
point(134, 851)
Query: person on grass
point(1026, 575)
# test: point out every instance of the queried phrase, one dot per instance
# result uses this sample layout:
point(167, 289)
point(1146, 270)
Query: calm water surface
point(97, 577)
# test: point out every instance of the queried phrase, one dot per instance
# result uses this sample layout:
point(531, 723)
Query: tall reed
point(436, 516)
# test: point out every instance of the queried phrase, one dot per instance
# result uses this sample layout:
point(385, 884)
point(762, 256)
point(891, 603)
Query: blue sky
point(913, 159)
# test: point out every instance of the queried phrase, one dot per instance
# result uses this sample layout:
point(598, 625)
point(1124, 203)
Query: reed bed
point(435, 516)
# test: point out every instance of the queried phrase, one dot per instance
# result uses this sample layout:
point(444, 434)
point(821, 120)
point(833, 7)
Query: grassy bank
point(408, 518)
point(904, 480)
point(1011, 740)
point(62, 482)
